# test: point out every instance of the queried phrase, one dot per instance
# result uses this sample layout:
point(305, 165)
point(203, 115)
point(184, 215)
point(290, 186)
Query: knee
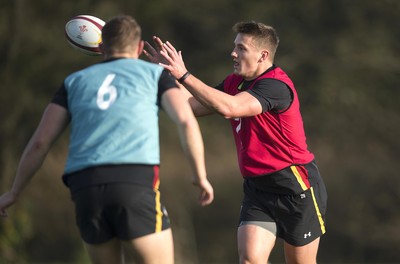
point(245, 258)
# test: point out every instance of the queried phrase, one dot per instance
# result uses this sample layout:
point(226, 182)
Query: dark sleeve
point(166, 81)
point(60, 97)
point(220, 87)
point(273, 95)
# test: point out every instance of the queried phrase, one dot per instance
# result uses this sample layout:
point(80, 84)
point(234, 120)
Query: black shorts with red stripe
point(294, 199)
point(117, 201)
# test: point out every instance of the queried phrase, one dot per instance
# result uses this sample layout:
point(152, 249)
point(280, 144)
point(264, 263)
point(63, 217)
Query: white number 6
point(107, 93)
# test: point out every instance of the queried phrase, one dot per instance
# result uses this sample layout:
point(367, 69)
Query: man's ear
point(140, 47)
point(264, 55)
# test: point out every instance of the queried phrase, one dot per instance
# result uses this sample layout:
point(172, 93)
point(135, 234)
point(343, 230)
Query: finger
point(167, 66)
point(150, 48)
point(206, 201)
point(148, 55)
point(203, 199)
point(206, 198)
point(167, 47)
point(167, 56)
point(170, 46)
point(174, 54)
point(158, 42)
point(171, 51)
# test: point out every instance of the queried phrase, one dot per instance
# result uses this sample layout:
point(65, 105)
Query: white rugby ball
point(83, 32)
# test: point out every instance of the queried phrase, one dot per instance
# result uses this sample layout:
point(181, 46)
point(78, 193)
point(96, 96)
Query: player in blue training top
point(114, 157)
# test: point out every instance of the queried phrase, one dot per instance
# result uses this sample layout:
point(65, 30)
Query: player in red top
point(284, 194)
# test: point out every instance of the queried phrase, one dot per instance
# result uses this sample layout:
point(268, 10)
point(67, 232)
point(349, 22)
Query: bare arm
point(241, 105)
point(197, 108)
point(54, 120)
point(178, 109)
point(153, 54)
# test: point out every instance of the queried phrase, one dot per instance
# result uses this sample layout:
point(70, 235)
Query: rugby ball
point(83, 32)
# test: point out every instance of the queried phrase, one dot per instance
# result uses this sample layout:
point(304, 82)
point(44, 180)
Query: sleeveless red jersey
point(270, 141)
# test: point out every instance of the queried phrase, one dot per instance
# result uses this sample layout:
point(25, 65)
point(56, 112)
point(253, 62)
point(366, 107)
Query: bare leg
point(157, 248)
point(254, 244)
point(105, 253)
point(305, 254)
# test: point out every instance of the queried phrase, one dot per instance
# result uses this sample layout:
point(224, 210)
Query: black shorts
point(299, 217)
point(118, 210)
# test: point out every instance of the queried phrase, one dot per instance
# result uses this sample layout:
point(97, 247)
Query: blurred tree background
point(344, 59)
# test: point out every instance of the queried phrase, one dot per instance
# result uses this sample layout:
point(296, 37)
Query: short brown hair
point(264, 36)
point(121, 33)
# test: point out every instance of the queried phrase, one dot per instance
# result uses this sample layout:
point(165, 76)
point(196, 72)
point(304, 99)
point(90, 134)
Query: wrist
point(183, 78)
point(14, 193)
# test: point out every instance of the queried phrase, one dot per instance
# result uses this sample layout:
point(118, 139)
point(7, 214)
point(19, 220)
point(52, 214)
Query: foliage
point(344, 59)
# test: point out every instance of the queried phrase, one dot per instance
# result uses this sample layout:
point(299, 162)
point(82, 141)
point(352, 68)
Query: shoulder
point(271, 88)
point(272, 94)
point(148, 68)
point(147, 64)
point(83, 72)
point(270, 82)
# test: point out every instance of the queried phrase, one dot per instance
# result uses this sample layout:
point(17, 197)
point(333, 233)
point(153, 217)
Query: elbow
point(227, 115)
point(39, 146)
point(187, 120)
point(227, 112)
point(189, 123)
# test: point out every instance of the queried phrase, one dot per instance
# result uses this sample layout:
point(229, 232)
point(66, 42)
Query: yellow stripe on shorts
point(159, 213)
point(321, 221)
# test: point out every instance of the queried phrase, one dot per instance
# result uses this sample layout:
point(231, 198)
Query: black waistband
point(145, 175)
point(285, 181)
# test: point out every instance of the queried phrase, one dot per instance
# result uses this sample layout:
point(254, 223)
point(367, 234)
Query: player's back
point(114, 114)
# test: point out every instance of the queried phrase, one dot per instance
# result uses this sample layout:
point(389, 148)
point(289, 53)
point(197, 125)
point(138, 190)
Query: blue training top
point(114, 113)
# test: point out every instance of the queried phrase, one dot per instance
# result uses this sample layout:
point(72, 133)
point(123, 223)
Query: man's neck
point(127, 55)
